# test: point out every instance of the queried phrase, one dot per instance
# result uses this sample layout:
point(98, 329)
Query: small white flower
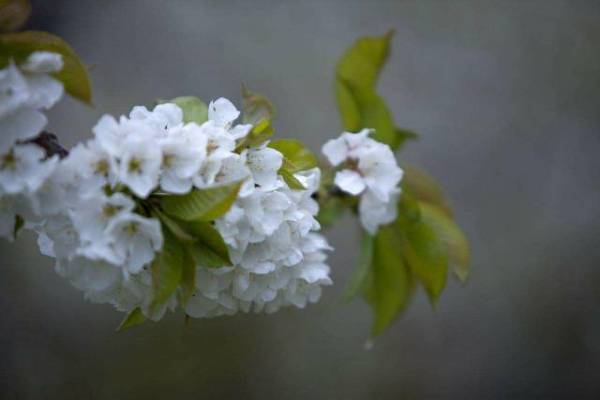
point(92, 216)
point(24, 169)
point(134, 239)
point(183, 153)
point(24, 93)
point(371, 172)
point(222, 112)
point(264, 163)
point(139, 165)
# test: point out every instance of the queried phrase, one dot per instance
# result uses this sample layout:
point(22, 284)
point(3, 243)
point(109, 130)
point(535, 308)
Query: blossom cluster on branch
point(195, 207)
point(98, 210)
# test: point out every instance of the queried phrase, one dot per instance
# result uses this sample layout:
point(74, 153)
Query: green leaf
point(424, 188)
point(255, 107)
point(194, 109)
point(363, 62)
point(134, 318)
point(329, 210)
point(201, 204)
point(290, 179)
point(74, 75)
point(361, 271)
point(426, 256)
point(450, 234)
point(209, 250)
point(359, 103)
point(389, 283)
point(297, 156)
point(188, 277)
point(167, 268)
point(13, 14)
point(259, 134)
point(373, 113)
point(19, 224)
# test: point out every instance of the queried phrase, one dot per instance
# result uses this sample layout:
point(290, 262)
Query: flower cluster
point(278, 258)
point(369, 170)
point(93, 210)
point(25, 91)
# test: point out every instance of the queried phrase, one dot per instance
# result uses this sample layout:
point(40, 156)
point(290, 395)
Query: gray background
point(505, 96)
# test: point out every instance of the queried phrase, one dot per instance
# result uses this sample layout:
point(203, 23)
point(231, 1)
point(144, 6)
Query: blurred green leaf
point(13, 14)
point(19, 224)
point(194, 109)
point(255, 107)
point(201, 204)
point(167, 268)
point(329, 210)
point(259, 134)
point(451, 236)
point(359, 104)
point(361, 271)
point(74, 74)
point(135, 317)
point(296, 156)
point(290, 179)
point(388, 286)
point(424, 188)
point(426, 256)
point(188, 277)
point(373, 113)
point(209, 250)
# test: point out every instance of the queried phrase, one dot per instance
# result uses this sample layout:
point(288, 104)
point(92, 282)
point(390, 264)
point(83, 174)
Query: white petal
point(43, 62)
point(335, 150)
point(349, 181)
point(222, 112)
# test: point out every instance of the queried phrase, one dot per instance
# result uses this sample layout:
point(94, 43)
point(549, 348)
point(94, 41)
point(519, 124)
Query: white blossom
point(24, 92)
point(369, 170)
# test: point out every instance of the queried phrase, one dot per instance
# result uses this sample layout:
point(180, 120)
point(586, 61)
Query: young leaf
point(389, 284)
point(74, 76)
point(290, 179)
point(188, 277)
point(19, 224)
point(135, 317)
point(424, 188)
point(359, 104)
point(361, 271)
point(202, 204)
point(255, 107)
point(194, 109)
point(13, 14)
point(373, 113)
point(426, 256)
point(167, 268)
point(209, 250)
point(297, 157)
point(259, 134)
point(449, 233)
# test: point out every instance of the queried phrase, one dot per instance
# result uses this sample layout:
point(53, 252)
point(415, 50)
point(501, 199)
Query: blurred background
point(505, 95)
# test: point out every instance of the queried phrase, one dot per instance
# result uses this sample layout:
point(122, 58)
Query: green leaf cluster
point(190, 241)
point(424, 242)
point(359, 103)
point(296, 158)
point(74, 76)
